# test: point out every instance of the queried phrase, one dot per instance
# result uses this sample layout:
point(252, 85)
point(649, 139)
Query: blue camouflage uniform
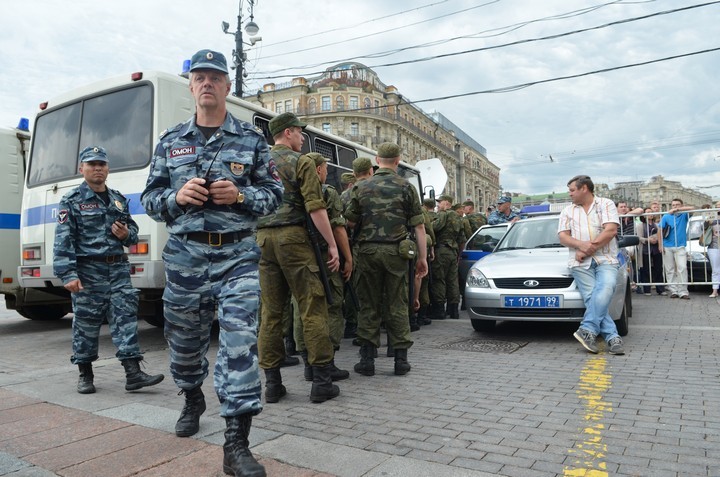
point(86, 249)
point(497, 217)
point(217, 267)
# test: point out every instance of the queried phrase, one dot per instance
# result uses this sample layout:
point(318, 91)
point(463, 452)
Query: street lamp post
point(239, 56)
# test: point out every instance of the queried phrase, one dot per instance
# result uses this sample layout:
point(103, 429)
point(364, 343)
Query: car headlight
point(476, 279)
point(698, 257)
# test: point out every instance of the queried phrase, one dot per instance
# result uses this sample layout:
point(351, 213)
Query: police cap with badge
point(208, 60)
point(93, 153)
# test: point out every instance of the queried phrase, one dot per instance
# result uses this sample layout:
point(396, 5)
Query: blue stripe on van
point(47, 214)
point(10, 221)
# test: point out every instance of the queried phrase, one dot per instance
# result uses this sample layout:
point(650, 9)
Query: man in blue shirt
point(672, 238)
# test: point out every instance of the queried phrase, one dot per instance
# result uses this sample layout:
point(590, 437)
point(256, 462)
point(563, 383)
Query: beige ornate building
point(665, 191)
point(349, 100)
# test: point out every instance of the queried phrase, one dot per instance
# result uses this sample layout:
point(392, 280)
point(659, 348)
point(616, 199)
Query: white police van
point(14, 144)
point(125, 115)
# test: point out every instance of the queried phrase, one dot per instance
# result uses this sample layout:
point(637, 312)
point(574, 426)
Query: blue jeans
point(597, 285)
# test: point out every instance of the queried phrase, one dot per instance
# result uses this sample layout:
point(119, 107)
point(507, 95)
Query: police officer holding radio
point(94, 224)
point(210, 179)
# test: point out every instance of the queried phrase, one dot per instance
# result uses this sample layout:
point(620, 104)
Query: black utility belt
point(105, 258)
point(216, 239)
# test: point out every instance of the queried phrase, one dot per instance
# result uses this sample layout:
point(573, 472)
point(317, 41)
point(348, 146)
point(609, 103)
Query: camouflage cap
point(388, 150)
point(446, 197)
point(93, 153)
point(504, 200)
point(283, 121)
point(469, 202)
point(208, 60)
point(428, 202)
point(347, 178)
point(361, 164)
point(318, 158)
point(457, 207)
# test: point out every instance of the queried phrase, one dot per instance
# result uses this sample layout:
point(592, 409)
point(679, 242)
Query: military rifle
point(314, 241)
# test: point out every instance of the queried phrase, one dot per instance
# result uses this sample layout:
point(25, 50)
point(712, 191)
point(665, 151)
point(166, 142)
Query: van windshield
point(120, 121)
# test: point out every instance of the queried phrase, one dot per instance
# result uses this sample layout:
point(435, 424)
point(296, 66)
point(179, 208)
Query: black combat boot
point(307, 372)
point(322, 388)
point(401, 363)
point(453, 311)
point(289, 361)
point(274, 388)
point(390, 353)
point(414, 324)
point(423, 317)
point(437, 310)
point(189, 422)
point(237, 459)
point(136, 378)
point(290, 349)
point(350, 330)
point(366, 366)
point(337, 374)
point(85, 382)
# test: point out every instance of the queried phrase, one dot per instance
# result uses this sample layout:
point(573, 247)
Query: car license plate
point(532, 301)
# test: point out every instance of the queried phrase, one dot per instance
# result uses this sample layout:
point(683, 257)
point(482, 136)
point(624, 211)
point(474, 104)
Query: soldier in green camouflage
point(466, 228)
point(385, 207)
point(476, 219)
point(288, 264)
point(448, 233)
point(336, 279)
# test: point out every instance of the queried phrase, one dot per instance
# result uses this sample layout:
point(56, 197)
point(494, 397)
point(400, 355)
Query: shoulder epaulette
point(170, 130)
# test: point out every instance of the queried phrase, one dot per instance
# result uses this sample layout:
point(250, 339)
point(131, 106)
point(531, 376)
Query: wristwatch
point(240, 197)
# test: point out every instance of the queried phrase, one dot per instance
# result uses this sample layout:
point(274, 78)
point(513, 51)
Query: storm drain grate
point(485, 346)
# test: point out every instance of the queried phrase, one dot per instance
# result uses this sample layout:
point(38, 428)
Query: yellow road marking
point(590, 451)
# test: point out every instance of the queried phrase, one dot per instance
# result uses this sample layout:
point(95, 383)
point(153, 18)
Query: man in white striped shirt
point(588, 229)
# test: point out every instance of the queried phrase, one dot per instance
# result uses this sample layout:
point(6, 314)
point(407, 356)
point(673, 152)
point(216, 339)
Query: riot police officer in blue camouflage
point(94, 223)
point(210, 179)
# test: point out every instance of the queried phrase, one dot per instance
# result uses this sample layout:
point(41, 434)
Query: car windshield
point(531, 234)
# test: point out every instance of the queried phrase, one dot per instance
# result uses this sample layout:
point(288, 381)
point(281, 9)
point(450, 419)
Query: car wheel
point(622, 323)
point(483, 325)
point(156, 319)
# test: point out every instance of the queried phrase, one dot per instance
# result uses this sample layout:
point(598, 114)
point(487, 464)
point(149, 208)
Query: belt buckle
point(110, 259)
point(214, 243)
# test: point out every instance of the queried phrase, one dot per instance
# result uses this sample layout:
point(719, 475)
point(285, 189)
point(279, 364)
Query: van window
point(120, 121)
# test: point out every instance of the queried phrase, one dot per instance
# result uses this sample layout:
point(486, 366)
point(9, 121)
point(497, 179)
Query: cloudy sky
point(616, 125)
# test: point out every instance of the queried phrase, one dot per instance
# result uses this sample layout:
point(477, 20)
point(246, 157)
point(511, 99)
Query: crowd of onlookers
point(661, 258)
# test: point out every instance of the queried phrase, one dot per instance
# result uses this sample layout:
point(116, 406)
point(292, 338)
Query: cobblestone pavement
point(525, 400)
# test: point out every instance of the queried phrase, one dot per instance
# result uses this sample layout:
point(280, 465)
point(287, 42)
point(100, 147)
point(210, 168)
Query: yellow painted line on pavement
point(590, 452)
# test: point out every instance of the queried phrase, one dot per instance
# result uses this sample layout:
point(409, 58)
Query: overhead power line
point(519, 42)
point(346, 27)
point(482, 34)
point(508, 89)
point(384, 31)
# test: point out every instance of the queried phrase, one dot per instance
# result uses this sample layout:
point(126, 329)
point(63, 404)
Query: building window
point(326, 103)
point(340, 103)
point(288, 106)
point(354, 129)
point(377, 106)
point(326, 128)
point(312, 105)
point(367, 105)
point(278, 107)
point(353, 102)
